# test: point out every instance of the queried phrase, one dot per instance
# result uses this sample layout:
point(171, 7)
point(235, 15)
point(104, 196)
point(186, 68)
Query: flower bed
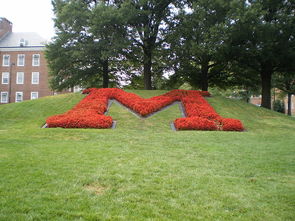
point(89, 113)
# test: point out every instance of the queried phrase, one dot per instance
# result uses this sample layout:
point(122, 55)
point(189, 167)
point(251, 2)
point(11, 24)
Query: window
point(22, 42)
point(34, 95)
point(4, 97)
point(5, 77)
point(18, 97)
point(20, 77)
point(6, 60)
point(35, 77)
point(20, 60)
point(36, 60)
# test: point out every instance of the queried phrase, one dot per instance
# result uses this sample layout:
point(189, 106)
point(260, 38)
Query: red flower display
point(229, 124)
point(195, 123)
point(89, 113)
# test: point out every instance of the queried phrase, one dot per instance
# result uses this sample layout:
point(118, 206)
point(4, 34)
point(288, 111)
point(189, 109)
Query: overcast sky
point(29, 16)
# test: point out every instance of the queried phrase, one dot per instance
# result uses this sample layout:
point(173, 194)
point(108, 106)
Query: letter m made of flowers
point(89, 112)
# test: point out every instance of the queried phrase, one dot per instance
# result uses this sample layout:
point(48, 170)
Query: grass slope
point(143, 170)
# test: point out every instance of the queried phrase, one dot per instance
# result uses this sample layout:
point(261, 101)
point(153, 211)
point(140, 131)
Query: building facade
point(257, 101)
point(23, 68)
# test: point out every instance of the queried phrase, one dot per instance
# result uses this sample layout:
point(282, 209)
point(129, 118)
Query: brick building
point(257, 101)
point(23, 68)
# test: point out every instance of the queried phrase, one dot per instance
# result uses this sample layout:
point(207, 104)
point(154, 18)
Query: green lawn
point(143, 170)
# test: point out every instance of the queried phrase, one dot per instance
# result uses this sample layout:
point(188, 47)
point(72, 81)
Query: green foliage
point(148, 26)
point(262, 39)
point(285, 82)
point(185, 86)
point(263, 33)
point(279, 106)
point(198, 43)
point(136, 82)
point(206, 43)
point(90, 37)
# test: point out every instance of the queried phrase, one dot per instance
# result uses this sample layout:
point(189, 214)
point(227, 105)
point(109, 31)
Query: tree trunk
point(147, 66)
point(105, 74)
point(289, 104)
point(266, 88)
point(204, 76)
point(247, 95)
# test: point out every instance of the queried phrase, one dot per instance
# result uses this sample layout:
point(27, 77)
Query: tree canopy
point(262, 38)
point(286, 83)
point(207, 43)
point(197, 43)
point(90, 37)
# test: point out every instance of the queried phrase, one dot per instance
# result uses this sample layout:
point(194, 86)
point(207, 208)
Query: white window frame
point(22, 96)
point(33, 60)
point(37, 95)
point(17, 77)
point(3, 60)
point(38, 74)
point(18, 60)
point(8, 76)
point(4, 102)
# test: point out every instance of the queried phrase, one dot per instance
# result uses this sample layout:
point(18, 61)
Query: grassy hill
point(143, 170)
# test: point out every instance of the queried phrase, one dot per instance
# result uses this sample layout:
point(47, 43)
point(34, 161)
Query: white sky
point(29, 16)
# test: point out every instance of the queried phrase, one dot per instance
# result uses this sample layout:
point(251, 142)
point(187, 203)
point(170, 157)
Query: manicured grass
point(143, 170)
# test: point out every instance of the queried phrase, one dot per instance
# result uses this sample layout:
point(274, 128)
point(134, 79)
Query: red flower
point(89, 113)
point(195, 123)
point(229, 124)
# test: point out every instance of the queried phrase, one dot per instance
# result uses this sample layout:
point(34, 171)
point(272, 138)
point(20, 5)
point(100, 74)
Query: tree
point(108, 29)
point(147, 29)
point(262, 37)
point(286, 83)
point(89, 37)
point(198, 42)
